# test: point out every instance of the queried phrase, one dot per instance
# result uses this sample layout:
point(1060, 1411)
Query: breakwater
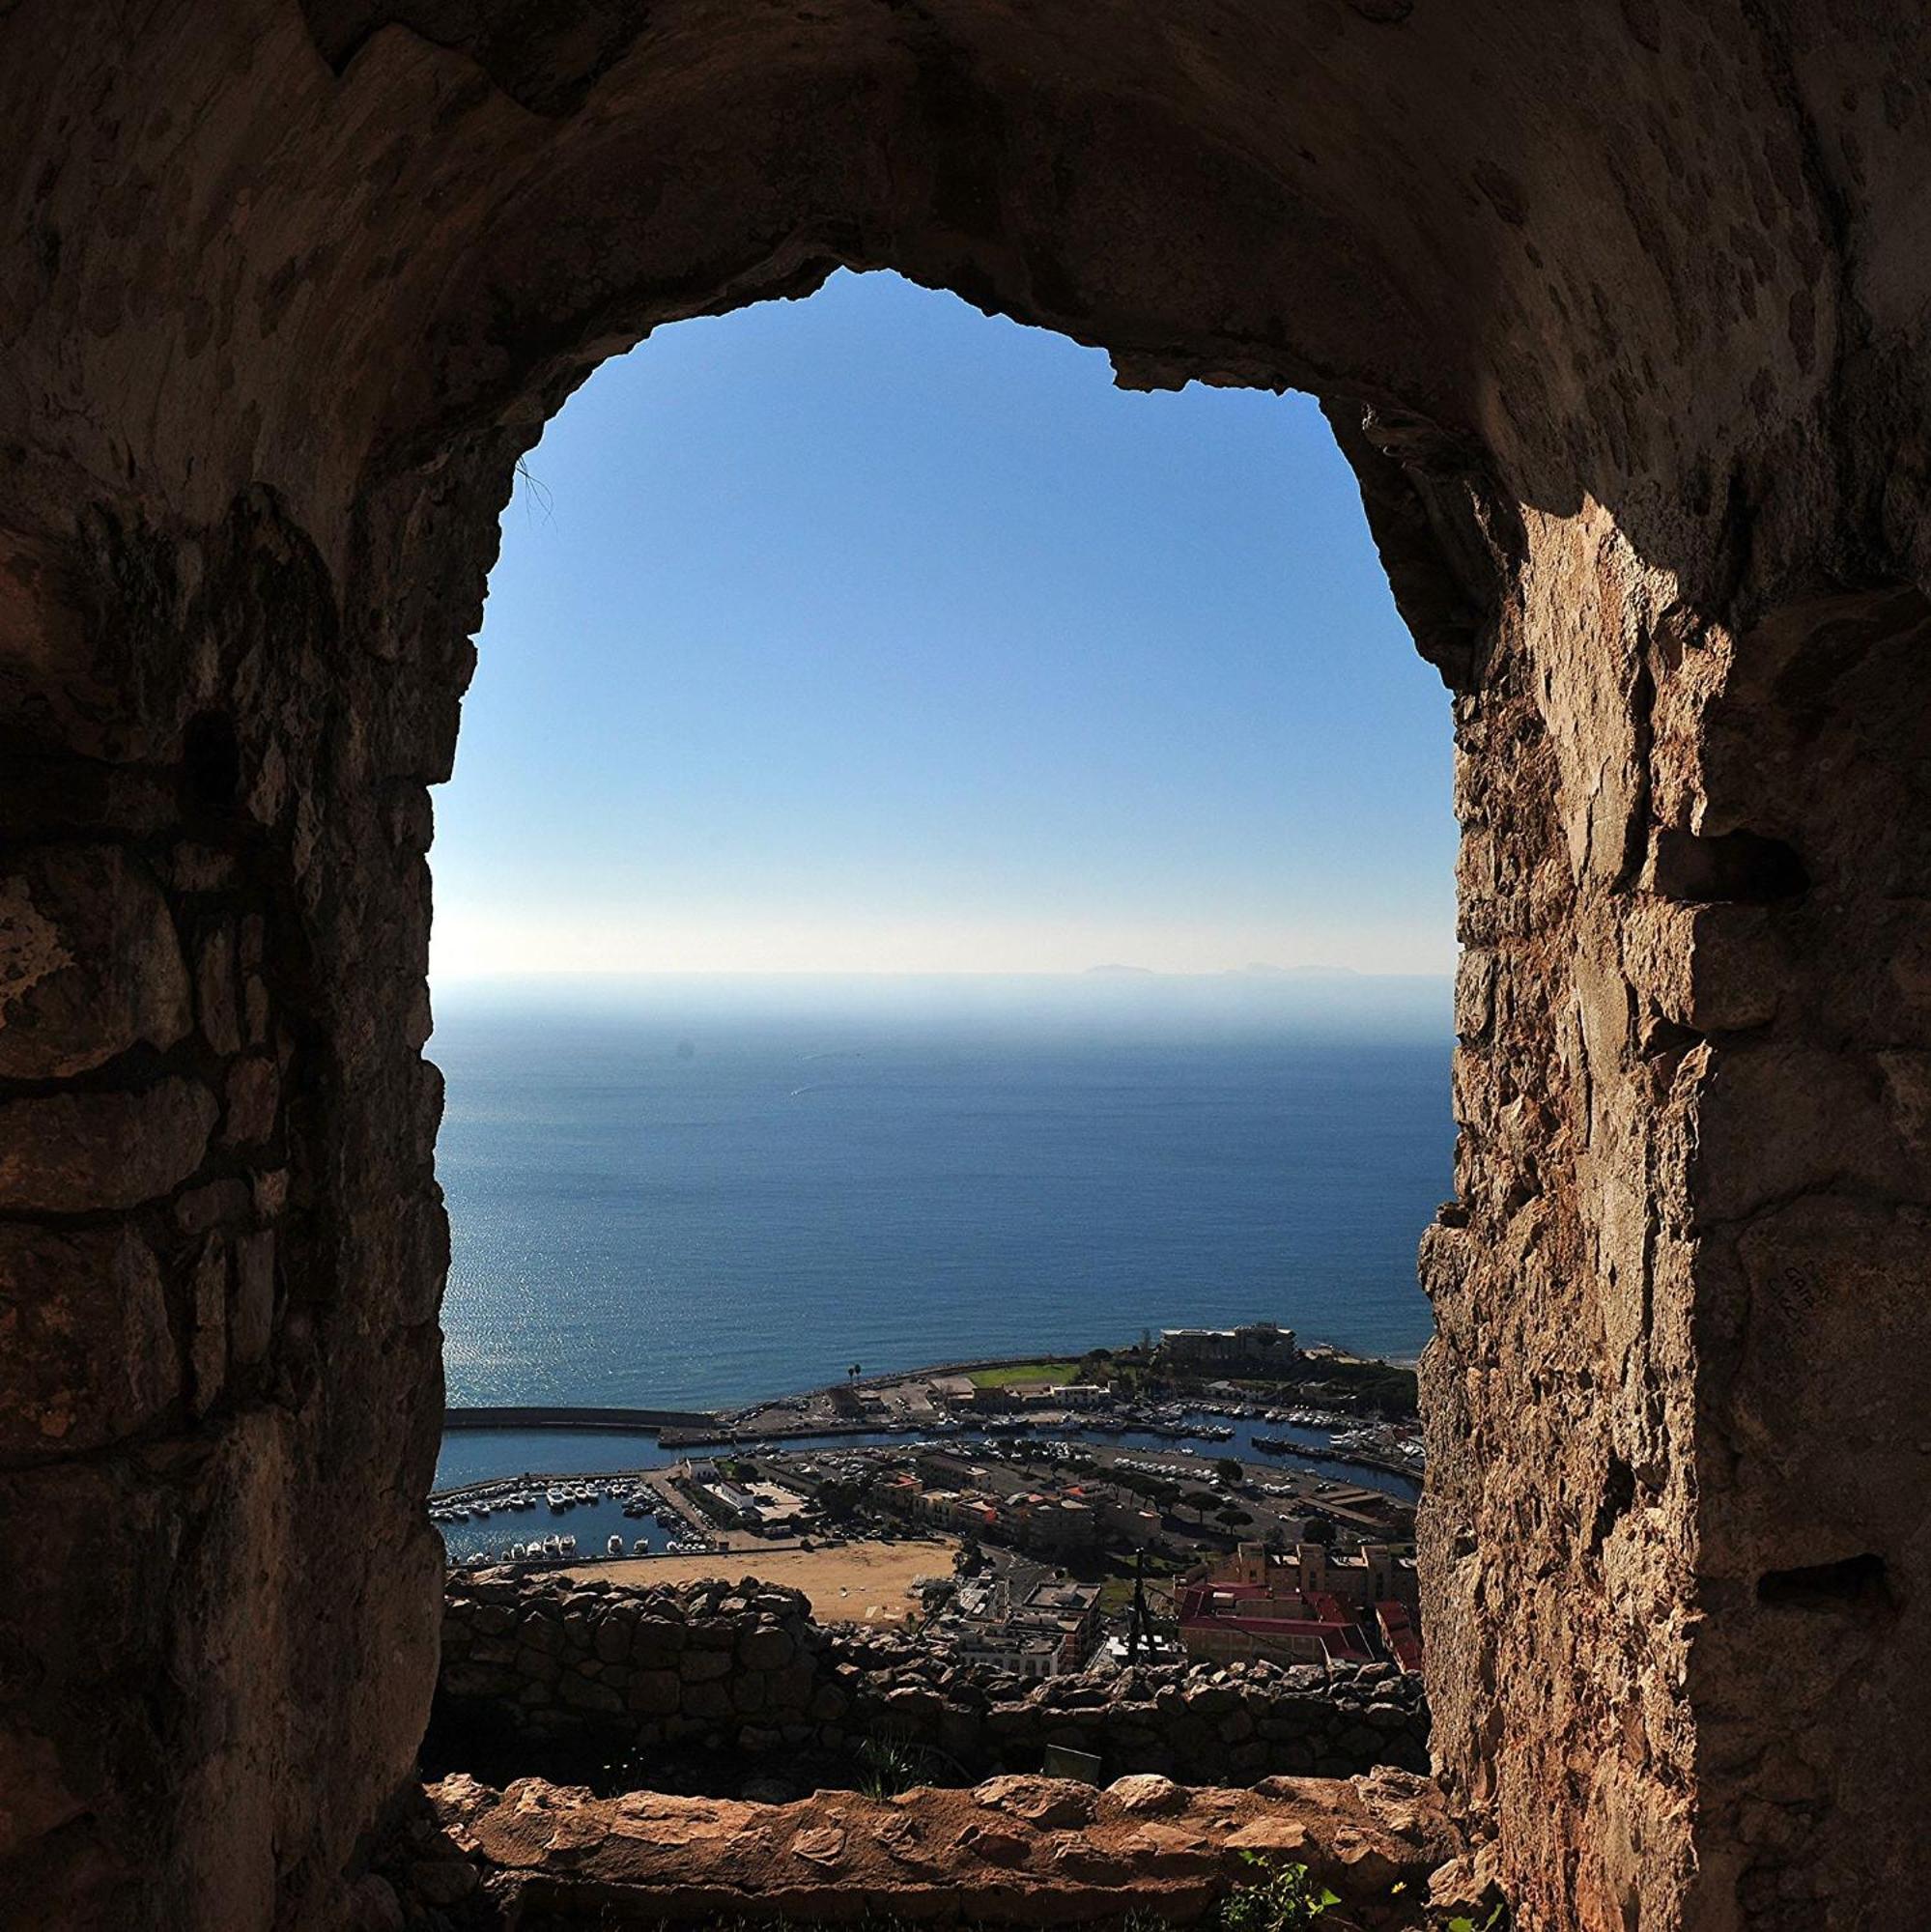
point(646, 1421)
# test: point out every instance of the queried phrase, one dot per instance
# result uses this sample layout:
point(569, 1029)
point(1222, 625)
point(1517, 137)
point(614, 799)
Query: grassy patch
point(1025, 1371)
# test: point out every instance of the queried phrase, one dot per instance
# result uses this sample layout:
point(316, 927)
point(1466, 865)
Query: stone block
point(539, 1630)
point(1010, 1721)
point(73, 1153)
point(1148, 1796)
point(200, 868)
point(254, 1293)
point(766, 1648)
point(440, 1881)
point(217, 1204)
point(654, 1693)
point(208, 1338)
point(657, 1644)
point(792, 1688)
point(253, 1098)
point(1048, 1804)
point(913, 1701)
point(255, 1010)
point(90, 962)
point(584, 1693)
point(85, 1351)
point(708, 1699)
point(215, 982)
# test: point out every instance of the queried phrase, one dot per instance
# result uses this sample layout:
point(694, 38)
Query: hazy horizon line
point(1072, 976)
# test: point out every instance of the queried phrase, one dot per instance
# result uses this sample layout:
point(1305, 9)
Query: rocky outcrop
point(538, 1662)
point(1013, 1851)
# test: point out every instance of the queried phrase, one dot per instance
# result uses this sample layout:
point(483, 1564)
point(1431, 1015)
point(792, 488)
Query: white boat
point(615, 1546)
point(640, 1547)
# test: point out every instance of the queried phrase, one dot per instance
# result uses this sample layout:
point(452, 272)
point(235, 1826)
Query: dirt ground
point(853, 1583)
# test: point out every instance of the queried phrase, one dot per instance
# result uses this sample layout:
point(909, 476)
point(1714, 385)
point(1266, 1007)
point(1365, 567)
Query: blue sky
point(870, 634)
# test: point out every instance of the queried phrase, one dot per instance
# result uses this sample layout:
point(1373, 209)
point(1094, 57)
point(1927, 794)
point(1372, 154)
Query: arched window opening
point(946, 891)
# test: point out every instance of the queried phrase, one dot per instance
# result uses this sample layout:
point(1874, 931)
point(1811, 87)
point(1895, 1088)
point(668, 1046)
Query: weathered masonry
point(536, 1661)
point(1618, 312)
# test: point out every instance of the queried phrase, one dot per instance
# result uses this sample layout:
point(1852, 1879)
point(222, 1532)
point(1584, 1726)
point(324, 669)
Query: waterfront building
point(1262, 1347)
point(1077, 1395)
point(768, 1508)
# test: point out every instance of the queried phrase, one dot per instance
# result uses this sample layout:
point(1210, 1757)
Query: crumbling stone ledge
point(1013, 1851)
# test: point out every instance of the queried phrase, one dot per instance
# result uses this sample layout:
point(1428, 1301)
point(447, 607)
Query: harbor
point(596, 1477)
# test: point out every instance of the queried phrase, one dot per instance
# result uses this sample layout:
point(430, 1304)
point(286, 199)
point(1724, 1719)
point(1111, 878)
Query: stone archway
point(1619, 319)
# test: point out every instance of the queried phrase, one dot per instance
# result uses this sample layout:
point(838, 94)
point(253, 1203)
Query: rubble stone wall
point(744, 1668)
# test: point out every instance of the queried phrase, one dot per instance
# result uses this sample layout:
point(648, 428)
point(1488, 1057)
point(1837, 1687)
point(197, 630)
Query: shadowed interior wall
point(1619, 316)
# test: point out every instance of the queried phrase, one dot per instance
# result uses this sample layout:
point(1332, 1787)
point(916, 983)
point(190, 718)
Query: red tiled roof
point(1332, 1628)
point(1400, 1633)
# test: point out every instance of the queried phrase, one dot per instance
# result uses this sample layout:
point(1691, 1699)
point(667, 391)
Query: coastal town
point(1219, 1495)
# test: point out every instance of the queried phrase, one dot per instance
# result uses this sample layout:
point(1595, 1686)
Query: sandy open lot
point(855, 1582)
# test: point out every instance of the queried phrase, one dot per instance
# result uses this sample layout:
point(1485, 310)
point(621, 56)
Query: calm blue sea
point(694, 1197)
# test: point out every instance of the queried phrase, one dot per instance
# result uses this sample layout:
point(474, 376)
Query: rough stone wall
point(1671, 1402)
point(1636, 299)
point(218, 1253)
point(744, 1668)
